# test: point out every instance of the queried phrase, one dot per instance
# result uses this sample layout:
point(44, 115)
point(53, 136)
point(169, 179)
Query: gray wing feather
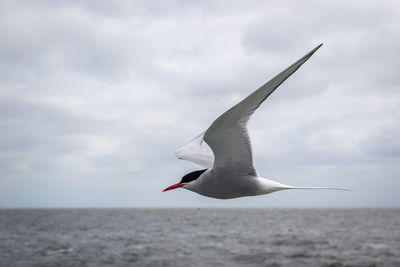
point(228, 137)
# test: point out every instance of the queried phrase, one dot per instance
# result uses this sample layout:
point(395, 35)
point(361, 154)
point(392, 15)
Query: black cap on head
point(191, 176)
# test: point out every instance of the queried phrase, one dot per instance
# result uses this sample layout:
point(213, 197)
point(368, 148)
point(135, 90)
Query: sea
point(200, 237)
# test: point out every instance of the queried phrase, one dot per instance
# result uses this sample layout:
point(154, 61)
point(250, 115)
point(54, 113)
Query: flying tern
point(229, 172)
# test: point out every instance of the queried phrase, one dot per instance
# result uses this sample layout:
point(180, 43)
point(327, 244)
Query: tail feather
point(308, 187)
point(272, 186)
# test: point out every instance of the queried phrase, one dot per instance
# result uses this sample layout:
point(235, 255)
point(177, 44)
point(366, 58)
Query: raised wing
point(228, 137)
point(193, 151)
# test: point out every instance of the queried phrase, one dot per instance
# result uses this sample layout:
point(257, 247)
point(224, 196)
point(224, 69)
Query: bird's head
point(187, 181)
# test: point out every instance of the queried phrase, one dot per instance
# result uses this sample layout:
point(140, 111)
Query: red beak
point(174, 186)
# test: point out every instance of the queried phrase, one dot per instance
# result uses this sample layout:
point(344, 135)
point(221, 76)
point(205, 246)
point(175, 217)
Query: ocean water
point(200, 237)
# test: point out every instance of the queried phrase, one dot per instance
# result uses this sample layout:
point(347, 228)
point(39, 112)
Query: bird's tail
point(307, 187)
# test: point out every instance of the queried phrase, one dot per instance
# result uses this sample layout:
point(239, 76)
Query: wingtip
point(178, 153)
point(316, 48)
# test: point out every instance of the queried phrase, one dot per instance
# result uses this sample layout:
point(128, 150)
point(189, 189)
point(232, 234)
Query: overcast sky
point(95, 96)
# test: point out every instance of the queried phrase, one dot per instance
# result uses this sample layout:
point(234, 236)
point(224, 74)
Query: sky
point(95, 96)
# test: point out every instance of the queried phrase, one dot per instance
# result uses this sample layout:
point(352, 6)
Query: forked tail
point(272, 186)
point(307, 187)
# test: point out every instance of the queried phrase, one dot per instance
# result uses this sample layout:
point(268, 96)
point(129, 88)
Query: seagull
point(229, 172)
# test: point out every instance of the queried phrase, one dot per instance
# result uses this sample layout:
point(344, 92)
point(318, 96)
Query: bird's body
point(226, 184)
point(229, 172)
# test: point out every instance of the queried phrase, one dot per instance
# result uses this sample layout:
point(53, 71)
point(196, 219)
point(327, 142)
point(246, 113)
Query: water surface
point(200, 237)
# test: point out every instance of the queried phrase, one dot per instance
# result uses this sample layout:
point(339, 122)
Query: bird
point(229, 171)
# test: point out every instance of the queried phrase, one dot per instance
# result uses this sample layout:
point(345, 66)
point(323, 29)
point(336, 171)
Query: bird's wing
point(228, 137)
point(193, 151)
